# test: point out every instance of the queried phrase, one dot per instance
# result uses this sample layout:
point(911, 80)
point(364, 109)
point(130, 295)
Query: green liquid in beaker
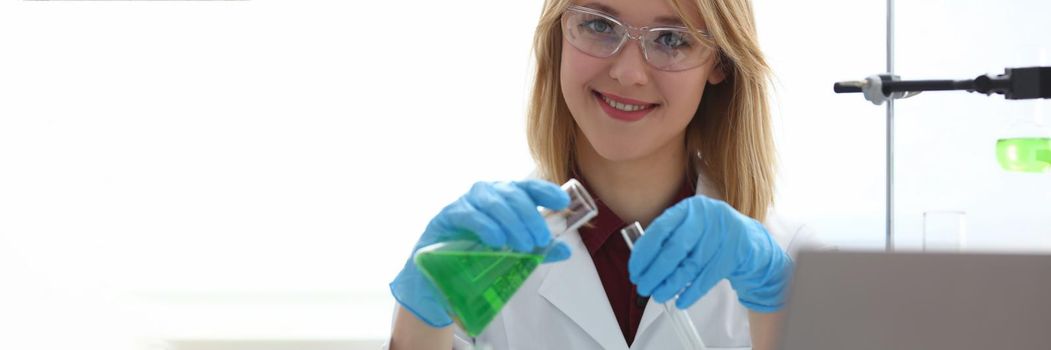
point(476, 283)
point(1024, 154)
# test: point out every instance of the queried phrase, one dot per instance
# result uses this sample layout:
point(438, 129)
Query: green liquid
point(1024, 154)
point(476, 282)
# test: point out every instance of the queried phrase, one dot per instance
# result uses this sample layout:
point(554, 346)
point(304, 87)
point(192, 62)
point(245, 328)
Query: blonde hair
point(731, 128)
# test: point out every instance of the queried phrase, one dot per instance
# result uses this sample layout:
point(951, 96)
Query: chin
point(617, 151)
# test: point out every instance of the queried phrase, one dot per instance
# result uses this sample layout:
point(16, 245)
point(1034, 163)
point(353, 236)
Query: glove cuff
point(765, 287)
point(415, 293)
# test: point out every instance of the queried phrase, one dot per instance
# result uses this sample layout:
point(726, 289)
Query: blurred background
point(251, 174)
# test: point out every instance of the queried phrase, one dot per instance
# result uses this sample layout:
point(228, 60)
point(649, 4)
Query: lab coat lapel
point(651, 313)
point(573, 286)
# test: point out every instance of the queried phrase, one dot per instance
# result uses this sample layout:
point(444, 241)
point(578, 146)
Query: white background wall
point(261, 169)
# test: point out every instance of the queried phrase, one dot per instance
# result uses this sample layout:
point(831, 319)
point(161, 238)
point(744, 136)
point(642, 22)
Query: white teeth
point(621, 106)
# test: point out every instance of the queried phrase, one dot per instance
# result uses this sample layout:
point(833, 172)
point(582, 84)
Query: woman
point(617, 104)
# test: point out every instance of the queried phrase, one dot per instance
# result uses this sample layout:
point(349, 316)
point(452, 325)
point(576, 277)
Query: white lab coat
point(564, 306)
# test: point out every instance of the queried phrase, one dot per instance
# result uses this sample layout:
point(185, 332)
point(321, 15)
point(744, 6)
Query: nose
point(629, 65)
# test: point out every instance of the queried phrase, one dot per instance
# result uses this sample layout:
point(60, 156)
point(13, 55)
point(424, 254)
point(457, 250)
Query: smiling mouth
point(622, 106)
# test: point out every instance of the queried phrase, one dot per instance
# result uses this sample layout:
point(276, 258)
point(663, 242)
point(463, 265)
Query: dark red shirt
point(610, 254)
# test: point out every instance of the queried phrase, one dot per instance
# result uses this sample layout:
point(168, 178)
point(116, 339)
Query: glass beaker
point(476, 281)
point(944, 230)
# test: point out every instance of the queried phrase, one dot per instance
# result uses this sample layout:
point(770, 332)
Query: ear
point(717, 75)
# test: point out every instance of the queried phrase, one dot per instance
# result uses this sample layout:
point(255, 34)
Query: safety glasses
point(667, 48)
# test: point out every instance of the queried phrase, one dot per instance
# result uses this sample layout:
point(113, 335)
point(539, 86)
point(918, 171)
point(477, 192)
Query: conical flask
point(476, 281)
point(1026, 144)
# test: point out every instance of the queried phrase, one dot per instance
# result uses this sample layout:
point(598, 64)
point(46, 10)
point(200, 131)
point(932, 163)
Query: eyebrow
point(673, 21)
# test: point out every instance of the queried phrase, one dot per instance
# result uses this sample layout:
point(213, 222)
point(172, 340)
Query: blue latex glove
point(698, 242)
point(499, 215)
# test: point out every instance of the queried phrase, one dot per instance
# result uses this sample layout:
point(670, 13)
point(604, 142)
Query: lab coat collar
point(571, 286)
point(593, 313)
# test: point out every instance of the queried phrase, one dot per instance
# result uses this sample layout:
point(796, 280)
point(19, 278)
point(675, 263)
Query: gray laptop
point(875, 300)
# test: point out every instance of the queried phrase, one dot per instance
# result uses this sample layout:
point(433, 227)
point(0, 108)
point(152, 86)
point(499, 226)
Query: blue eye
point(597, 26)
point(673, 40)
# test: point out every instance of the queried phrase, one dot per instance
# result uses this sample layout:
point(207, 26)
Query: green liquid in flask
point(476, 282)
point(1024, 154)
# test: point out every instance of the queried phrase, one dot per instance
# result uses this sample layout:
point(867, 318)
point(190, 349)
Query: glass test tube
point(680, 320)
point(581, 209)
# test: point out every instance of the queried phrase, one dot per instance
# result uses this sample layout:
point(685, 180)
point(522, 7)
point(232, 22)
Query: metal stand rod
point(911, 85)
point(890, 131)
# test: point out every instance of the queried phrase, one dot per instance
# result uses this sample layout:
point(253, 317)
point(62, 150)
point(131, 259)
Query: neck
point(637, 189)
